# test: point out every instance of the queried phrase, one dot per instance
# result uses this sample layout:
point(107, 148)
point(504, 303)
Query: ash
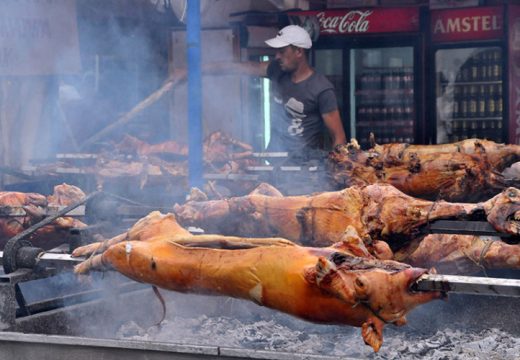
point(464, 328)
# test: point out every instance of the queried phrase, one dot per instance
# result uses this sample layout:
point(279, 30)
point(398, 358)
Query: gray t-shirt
point(297, 125)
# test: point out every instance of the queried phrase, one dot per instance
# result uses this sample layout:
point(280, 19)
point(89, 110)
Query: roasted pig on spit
point(325, 285)
point(499, 156)
point(221, 154)
point(48, 236)
point(377, 212)
point(460, 254)
point(465, 171)
point(220, 151)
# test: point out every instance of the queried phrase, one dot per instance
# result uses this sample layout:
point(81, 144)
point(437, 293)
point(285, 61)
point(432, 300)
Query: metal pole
point(194, 94)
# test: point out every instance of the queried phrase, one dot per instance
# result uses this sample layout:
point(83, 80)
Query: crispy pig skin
point(461, 254)
point(50, 235)
point(425, 173)
point(498, 155)
point(378, 211)
point(324, 285)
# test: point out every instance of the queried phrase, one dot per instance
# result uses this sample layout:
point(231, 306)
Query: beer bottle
point(490, 103)
point(464, 102)
point(474, 71)
point(499, 131)
point(483, 67)
point(491, 130)
point(408, 111)
point(499, 102)
point(464, 130)
point(481, 102)
point(455, 128)
point(497, 65)
point(472, 107)
point(456, 102)
point(474, 129)
point(483, 130)
point(408, 80)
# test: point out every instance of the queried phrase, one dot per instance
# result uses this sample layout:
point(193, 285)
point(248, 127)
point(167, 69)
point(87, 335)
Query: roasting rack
point(22, 263)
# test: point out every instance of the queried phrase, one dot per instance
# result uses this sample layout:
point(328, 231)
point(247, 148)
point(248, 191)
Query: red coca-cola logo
point(355, 21)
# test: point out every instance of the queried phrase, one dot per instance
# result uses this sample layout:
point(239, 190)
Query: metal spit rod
point(49, 259)
point(469, 285)
point(430, 282)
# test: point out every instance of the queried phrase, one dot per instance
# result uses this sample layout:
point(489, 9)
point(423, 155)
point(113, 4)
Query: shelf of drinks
point(365, 142)
point(498, 118)
point(388, 92)
point(466, 83)
point(387, 123)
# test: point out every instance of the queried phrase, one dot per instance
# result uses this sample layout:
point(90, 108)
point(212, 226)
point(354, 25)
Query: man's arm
point(224, 68)
point(333, 123)
point(236, 68)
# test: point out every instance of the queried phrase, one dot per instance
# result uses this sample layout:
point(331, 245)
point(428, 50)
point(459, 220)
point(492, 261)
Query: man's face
point(288, 57)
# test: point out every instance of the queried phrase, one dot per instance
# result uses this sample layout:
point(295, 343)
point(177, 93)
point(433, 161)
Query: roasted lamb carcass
point(376, 212)
point(222, 154)
point(218, 149)
point(460, 254)
point(50, 235)
point(324, 285)
point(452, 176)
point(499, 156)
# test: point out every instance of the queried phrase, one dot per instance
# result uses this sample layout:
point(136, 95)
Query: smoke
point(465, 327)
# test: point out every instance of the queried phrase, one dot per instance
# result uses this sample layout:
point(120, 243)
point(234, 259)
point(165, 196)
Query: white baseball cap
point(291, 35)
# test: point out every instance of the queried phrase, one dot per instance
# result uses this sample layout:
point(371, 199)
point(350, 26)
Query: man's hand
point(333, 123)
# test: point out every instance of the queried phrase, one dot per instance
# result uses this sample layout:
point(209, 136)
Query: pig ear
point(372, 332)
point(324, 269)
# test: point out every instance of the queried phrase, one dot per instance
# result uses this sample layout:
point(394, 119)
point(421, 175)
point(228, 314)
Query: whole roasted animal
point(222, 154)
point(385, 218)
point(466, 171)
point(460, 254)
point(34, 206)
point(219, 150)
point(325, 285)
point(498, 155)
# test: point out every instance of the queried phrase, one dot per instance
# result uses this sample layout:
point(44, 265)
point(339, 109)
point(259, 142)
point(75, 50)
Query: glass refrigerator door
point(383, 97)
point(329, 62)
point(468, 89)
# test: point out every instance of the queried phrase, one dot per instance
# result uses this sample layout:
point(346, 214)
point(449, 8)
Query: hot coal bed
point(464, 327)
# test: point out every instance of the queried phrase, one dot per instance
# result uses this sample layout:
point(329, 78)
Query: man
point(305, 102)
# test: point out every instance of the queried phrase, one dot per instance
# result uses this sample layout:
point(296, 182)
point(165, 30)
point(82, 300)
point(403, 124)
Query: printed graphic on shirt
point(295, 109)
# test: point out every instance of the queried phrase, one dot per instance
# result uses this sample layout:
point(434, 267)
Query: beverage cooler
point(374, 57)
point(472, 53)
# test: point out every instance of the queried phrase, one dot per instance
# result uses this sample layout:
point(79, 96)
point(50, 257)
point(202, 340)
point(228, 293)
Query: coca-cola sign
point(482, 23)
point(355, 21)
point(360, 21)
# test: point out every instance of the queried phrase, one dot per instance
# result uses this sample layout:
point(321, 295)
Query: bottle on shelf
point(464, 102)
point(472, 106)
point(481, 101)
point(490, 102)
point(474, 62)
point(496, 66)
point(456, 102)
point(483, 66)
point(498, 136)
point(499, 101)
